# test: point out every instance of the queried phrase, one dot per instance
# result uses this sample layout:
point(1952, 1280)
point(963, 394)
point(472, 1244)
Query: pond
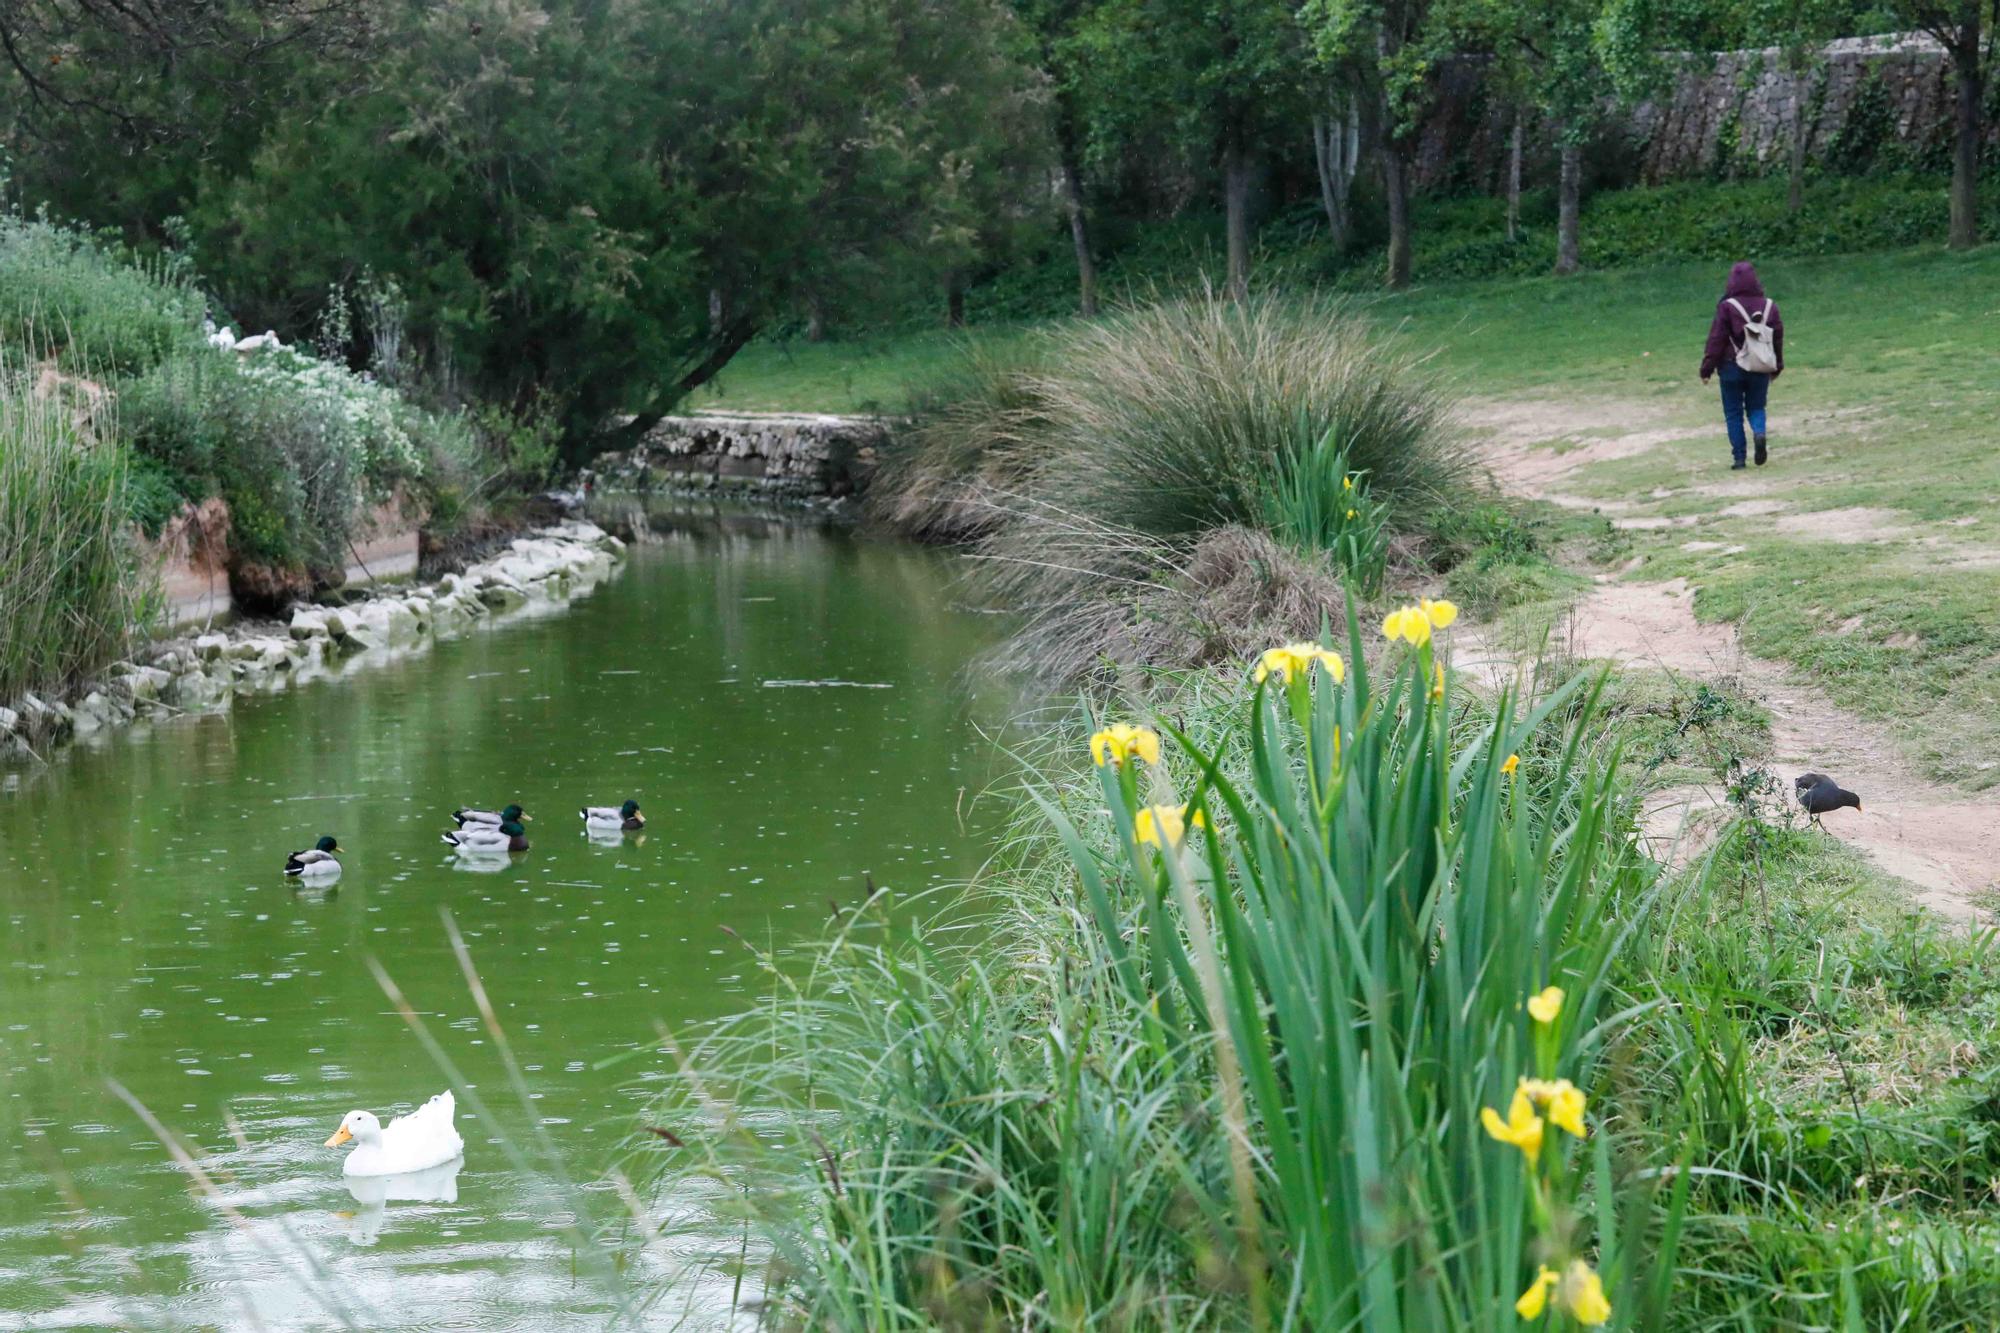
point(787, 703)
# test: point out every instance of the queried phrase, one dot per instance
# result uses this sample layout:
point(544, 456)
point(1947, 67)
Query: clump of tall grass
point(1227, 1064)
point(1093, 471)
point(70, 591)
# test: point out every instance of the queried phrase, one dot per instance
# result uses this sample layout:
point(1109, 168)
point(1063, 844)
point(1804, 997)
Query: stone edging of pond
point(198, 673)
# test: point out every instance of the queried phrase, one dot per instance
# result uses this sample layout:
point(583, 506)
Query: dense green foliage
point(299, 447)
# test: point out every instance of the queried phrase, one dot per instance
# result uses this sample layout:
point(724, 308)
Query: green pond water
point(788, 705)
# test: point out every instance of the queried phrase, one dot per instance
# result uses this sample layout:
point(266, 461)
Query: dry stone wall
point(801, 454)
point(1730, 114)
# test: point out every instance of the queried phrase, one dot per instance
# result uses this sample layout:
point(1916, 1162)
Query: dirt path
point(1940, 841)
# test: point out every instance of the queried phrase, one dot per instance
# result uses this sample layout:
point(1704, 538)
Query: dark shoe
point(1737, 466)
point(1762, 454)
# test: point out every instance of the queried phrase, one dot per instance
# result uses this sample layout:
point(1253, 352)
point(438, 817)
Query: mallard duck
point(316, 861)
point(513, 814)
point(603, 818)
point(422, 1139)
point(508, 837)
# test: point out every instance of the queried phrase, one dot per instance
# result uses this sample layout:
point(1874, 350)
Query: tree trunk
point(1079, 235)
point(815, 319)
point(1965, 161)
point(1396, 186)
point(1568, 204)
point(1514, 178)
point(1328, 145)
point(954, 300)
point(1236, 207)
point(715, 311)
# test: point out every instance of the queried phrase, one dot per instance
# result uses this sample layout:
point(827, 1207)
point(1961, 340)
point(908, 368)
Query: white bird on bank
point(418, 1141)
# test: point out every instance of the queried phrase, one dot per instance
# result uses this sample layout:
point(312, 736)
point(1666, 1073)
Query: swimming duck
point(418, 1141)
point(316, 861)
point(604, 818)
point(513, 814)
point(507, 837)
point(1821, 795)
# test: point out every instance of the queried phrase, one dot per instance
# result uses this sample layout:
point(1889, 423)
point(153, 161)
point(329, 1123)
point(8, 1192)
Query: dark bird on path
point(1821, 795)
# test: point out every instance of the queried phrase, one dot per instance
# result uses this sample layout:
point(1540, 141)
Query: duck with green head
point(316, 861)
point(513, 814)
point(613, 818)
point(487, 838)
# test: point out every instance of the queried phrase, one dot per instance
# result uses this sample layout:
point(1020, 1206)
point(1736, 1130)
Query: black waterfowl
point(1821, 795)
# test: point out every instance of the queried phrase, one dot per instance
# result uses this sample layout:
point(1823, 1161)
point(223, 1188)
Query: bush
point(69, 586)
point(64, 295)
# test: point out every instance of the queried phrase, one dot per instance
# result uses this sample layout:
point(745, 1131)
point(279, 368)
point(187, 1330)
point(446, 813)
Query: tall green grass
point(1237, 1082)
point(1150, 488)
point(70, 594)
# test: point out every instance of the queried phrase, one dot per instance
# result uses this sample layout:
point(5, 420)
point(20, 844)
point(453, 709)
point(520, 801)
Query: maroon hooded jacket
point(1725, 335)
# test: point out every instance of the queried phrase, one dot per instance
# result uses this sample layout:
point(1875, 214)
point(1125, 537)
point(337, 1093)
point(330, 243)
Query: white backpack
point(1758, 354)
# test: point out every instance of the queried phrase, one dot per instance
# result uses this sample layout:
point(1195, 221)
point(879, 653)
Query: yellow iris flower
point(1563, 1100)
point(1437, 680)
point(1513, 762)
point(1114, 743)
point(1522, 1127)
point(1415, 623)
point(1351, 513)
point(1296, 658)
point(1582, 1290)
point(1347, 483)
point(1164, 825)
point(1536, 1298)
point(1546, 1005)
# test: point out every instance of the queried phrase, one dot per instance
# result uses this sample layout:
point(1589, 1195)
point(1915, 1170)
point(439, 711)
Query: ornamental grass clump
point(1225, 1061)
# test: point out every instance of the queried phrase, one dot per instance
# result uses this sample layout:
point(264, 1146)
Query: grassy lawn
point(1867, 554)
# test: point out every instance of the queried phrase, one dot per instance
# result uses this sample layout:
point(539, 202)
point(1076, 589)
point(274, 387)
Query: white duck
point(416, 1142)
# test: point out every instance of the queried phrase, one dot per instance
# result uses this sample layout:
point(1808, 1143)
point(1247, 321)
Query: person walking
point(1746, 347)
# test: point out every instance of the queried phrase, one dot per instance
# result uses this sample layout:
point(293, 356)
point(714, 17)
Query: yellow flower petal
point(1437, 680)
point(1347, 483)
point(1513, 762)
point(1115, 743)
point(1547, 1006)
point(1351, 513)
point(1583, 1292)
point(1536, 1298)
point(1566, 1107)
point(1416, 628)
point(1164, 825)
point(1440, 613)
point(1522, 1128)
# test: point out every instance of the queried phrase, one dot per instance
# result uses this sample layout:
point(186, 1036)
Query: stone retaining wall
point(207, 671)
point(1730, 113)
point(789, 453)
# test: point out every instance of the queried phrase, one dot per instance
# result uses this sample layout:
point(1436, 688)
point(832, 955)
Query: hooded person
point(1746, 347)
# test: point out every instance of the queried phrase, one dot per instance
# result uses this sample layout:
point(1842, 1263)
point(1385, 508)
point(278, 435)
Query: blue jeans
point(1743, 392)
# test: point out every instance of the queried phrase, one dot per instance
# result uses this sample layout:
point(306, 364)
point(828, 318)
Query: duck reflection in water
point(373, 1194)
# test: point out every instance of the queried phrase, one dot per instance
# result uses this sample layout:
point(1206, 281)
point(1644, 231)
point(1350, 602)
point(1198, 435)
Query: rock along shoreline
point(205, 672)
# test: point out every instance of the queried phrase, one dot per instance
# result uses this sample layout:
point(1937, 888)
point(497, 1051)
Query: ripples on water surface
point(151, 939)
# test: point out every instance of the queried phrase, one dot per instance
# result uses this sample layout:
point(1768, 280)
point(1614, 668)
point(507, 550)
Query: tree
point(561, 190)
point(1059, 29)
point(1228, 77)
point(114, 110)
point(1389, 45)
point(1966, 29)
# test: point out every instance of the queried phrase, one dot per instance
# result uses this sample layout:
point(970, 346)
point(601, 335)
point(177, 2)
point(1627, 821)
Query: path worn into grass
point(1940, 841)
